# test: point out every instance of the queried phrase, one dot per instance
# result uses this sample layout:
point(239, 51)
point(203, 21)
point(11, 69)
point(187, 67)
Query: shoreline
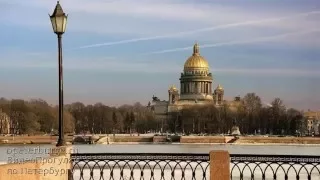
point(183, 140)
point(231, 144)
point(165, 143)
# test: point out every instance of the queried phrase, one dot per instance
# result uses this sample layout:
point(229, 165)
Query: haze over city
point(125, 51)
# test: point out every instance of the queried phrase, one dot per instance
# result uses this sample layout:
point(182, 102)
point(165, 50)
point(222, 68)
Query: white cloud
point(161, 9)
point(169, 16)
point(255, 40)
point(145, 17)
point(270, 72)
point(202, 30)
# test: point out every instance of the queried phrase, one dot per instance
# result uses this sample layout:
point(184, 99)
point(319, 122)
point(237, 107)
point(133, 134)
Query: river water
point(15, 153)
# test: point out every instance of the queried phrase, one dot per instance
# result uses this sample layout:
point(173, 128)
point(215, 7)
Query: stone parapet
point(132, 139)
point(52, 168)
point(202, 139)
point(157, 139)
point(55, 167)
point(278, 140)
point(219, 165)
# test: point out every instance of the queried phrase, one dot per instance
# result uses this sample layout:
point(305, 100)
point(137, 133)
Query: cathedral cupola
point(196, 63)
point(196, 80)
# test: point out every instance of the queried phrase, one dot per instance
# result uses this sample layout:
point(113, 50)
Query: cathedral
point(196, 82)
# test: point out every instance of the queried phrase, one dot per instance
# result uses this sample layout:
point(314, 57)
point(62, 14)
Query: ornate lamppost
point(59, 22)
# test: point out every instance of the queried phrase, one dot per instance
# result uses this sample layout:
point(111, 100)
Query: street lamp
point(59, 22)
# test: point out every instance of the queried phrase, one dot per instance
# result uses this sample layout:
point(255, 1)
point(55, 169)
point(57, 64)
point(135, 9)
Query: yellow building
point(196, 88)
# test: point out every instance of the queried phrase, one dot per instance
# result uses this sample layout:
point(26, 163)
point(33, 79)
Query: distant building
point(4, 123)
point(313, 121)
point(196, 84)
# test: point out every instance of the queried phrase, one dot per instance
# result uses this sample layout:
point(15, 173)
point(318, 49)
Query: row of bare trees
point(34, 116)
point(100, 118)
point(249, 114)
point(37, 116)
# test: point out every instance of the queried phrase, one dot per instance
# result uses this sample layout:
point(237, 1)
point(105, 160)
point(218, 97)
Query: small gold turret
point(220, 87)
point(173, 88)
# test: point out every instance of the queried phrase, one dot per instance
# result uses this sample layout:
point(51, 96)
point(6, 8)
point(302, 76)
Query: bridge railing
point(213, 166)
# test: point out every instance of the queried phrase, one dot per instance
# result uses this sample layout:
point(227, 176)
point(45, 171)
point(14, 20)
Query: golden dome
point(173, 88)
point(196, 61)
point(219, 87)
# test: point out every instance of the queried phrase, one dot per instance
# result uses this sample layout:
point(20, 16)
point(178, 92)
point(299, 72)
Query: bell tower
point(218, 95)
point(173, 94)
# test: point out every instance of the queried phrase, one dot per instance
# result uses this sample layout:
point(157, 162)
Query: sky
point(125, 51)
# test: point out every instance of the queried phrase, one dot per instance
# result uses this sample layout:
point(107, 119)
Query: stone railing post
point(65, 152)
point(219, 165)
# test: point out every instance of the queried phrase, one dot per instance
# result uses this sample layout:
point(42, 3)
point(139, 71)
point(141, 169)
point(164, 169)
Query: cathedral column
point(198, 87)
point(181, 88)
point(207, 86)
point(186, 86)
point(203, 87)
point(184, 89)
point(190, 89)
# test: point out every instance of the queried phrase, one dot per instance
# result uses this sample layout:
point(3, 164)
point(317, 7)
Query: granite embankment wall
point(55, 167)
point(31, 139)
point(131, 139)
point(218, 139)
point(159, 139)
point(205, 139)
point(162, 139)
point(278, 140)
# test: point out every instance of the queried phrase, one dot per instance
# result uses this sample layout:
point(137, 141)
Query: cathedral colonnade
point(194, 87)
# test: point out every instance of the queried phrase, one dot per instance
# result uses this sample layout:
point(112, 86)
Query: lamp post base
point(61, 142)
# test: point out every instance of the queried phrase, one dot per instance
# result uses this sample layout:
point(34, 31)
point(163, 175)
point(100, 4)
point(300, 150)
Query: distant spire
point(196, 49)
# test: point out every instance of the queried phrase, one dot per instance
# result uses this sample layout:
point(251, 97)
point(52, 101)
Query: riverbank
point(243, 140)
point(16, 140)
point(242, 144)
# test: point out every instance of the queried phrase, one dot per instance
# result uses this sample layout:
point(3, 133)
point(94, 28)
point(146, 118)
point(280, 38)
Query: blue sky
point(124, 51)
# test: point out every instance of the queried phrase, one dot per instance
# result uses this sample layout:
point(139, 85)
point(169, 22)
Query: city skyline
point(121, 52)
